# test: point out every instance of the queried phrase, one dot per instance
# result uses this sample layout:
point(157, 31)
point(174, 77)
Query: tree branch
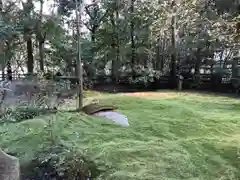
point(87, 26)
point(103, 16)
point(88, 12)
point(10, 5)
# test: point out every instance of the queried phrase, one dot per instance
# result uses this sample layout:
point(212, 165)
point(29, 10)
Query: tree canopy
point(132, 40)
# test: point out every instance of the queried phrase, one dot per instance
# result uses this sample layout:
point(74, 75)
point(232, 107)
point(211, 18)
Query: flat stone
point(114, 116)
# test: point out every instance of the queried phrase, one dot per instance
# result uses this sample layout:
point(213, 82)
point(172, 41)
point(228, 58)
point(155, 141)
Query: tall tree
point(173, 71)
point(132, 36)
point(40, 35)
point(79, 58)
point(115, 39)
point(28, 30)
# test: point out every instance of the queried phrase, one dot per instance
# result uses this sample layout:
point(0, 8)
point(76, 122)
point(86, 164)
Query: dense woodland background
point(141, 43)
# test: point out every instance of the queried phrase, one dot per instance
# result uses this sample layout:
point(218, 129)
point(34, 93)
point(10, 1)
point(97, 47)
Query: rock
point(9, 167)
point(116, 117)
point(96, 107)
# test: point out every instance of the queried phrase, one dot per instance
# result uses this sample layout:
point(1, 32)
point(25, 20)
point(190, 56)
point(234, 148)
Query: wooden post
point(79, 60)
point(180, 82)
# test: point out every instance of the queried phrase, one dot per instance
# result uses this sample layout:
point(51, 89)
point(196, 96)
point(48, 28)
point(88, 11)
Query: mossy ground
point(173, 136)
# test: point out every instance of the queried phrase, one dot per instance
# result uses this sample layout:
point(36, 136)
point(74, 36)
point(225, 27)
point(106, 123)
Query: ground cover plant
point(171, 136)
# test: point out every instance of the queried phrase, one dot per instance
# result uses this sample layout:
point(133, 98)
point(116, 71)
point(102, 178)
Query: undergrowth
point(23, 113)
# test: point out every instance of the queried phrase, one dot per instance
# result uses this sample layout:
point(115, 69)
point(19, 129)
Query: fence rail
point(205, 81)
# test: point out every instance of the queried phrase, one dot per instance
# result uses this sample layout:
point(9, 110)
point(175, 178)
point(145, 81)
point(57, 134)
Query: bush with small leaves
point(142, 75)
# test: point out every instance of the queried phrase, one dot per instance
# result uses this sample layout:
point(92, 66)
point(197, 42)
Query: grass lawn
point(171, 136)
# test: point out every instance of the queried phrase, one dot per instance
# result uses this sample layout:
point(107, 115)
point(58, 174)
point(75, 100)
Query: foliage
point(202, 29)
point(22, 114)
point(59, 162)
point(143, 75)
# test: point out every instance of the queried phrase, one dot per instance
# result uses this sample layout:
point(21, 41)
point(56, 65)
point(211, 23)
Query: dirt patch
point(152, 94)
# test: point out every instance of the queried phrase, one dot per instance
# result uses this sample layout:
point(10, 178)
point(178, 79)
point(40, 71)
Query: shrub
point(142, 75)
point(58, 163)
point(22, 113)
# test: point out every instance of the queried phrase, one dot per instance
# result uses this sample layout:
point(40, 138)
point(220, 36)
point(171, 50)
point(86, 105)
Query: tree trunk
point(133, 48)
point(79, 59)
point(3, 72)
point(117, 41)
point(158, 55)
point(7, 57)
point(94, 18)
point(1, 43)
point(173, 71)
point(198, 63)
point(41, 55)
point(30, 61)
point(9, 71)
point(1, 6)
point(93, 34)
point(41, 39)
point(163, 53)
point(113, 45)
point(197, 67)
